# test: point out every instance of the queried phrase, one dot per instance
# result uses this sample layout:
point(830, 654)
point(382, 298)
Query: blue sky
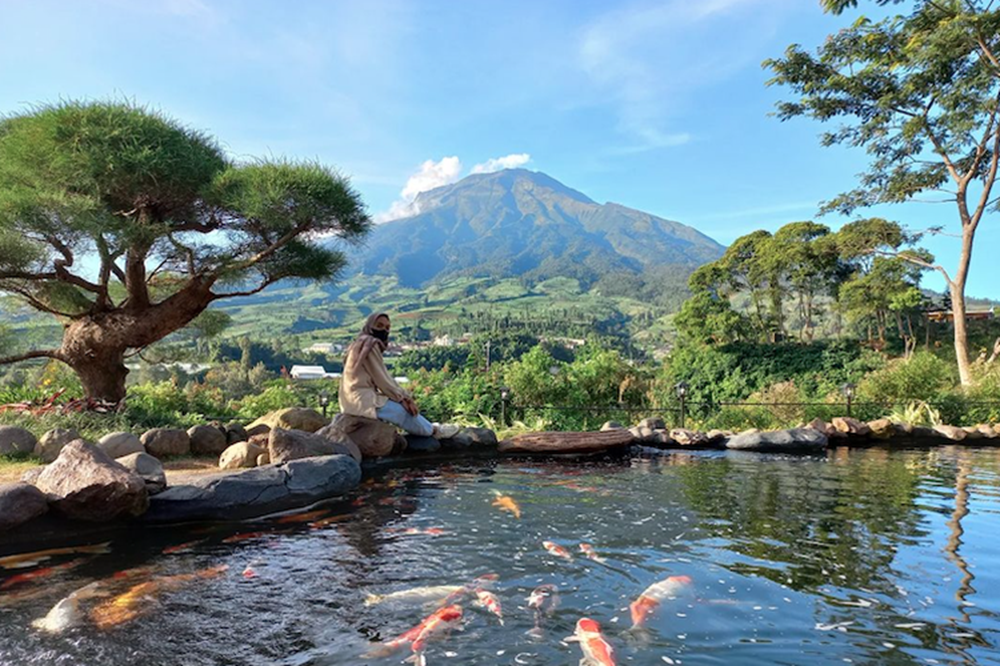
point(660, 106)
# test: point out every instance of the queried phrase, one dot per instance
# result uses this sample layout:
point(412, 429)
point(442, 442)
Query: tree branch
point(917, 261)
point(43, 353)
point(261, 287)
point(274, 247)
point(37, 304)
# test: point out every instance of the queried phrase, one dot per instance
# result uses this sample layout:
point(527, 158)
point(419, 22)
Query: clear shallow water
point(862, 556)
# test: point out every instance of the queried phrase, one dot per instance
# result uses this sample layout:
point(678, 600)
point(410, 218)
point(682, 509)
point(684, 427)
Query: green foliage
point(278, 395)
point(922, 377)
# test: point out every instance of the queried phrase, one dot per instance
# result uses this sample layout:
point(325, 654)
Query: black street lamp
point(848, 390)
point(324, 400)
point(682, 389)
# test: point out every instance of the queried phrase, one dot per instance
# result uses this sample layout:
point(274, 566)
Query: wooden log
point(566, 442)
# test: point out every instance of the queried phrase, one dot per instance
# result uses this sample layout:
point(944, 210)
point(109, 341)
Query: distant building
point(948, 315)
point(443, 341)
point(325, 348)
point(312, 372)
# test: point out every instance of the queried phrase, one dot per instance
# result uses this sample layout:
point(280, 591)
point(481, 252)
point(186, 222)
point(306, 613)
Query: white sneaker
point(445, 430)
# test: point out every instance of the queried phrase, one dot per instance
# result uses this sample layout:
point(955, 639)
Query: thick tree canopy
point(127, 225)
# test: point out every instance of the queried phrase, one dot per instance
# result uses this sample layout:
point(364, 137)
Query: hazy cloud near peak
point(512, 161)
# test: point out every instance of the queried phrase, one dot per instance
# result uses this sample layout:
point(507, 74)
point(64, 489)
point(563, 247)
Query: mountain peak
point(507, 180)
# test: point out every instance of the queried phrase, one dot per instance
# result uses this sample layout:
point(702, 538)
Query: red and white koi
point(186, 547)
point(489, 601)
point(434, 624)
point(557, 550)
point(25, 560)
point(654, 595)
point(544, 599)
point(591, 554)
point(44, 572)
point(596, 650)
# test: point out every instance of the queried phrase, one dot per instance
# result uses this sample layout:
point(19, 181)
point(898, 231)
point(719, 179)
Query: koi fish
point(655, 594)
point(543, 600)
point(507, 503)
point(44, 572)
point(591, 554)
point(328, 521)
point(429, 531)
point(489, 601)
point(66, 614)
point(439, 620)
point(303, 517)
point(417, 595)
point(596, 650)
point(140, 599)
point(247, 536)
point(557, 550)
point(181, 547)
point(25, 560)
point(134, 571)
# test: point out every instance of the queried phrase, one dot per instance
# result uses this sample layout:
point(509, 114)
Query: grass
point(12, 466)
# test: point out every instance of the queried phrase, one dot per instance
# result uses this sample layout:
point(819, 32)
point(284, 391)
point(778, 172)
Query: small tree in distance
point(921, 94)
point(173, 225)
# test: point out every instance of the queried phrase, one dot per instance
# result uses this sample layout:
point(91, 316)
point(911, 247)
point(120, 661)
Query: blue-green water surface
point(859, 556)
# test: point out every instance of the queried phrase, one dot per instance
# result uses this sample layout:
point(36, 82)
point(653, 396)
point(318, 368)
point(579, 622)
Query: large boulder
point(611, 425)
point(240, 454)
point(19, 503)
point(292, 418)
point(421, 444)
point(256, 492)
point(85, 483)
point(52, 442)
point(120, 444)
point(686, 437)
point(954, 433)
point(207, 440)
point(780, 441)
point(148, 468)
point(882, 429)
point(822, 426)
point(235, 432)
point(480, 436)
point(16, 440)
point(284, 445)
point(165, 442)
point(372, 437)
point(653, 423)
point(850, 427)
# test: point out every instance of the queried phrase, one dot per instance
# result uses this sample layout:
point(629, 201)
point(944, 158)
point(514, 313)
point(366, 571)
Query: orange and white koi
point(596, 650)
point(436, 593)
point(557, 550)
point(248, 536)
point(489, 601)
point(44, 572)
point(303, 517)
point(591, 554)
point(323, 522)
point(506, 503)
point(438, 621)
point(140, 599)
point(185, 547)
point(654, 595)
point(25, 560)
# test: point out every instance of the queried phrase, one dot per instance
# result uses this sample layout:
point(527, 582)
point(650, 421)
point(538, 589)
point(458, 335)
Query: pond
point(859, 556)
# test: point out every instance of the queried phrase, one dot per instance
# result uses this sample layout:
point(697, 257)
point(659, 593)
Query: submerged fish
point(417, 595)
point(489, 601)
point(181, 547)
point(591, 554)
point(543, 600)
point(429, 531)
point(431, 626)
point(44, 572)
point(323, 522)
point(655, 594)
point(507, 503)
point(303, 517)
point(25, 560)
point(557, 550)
point(66, 614)
point(140, 599)
point(596, 650)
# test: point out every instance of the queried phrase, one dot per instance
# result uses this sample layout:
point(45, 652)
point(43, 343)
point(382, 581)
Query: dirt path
point(177, 470)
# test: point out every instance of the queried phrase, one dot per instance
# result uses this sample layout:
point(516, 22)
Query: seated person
point(367, 389)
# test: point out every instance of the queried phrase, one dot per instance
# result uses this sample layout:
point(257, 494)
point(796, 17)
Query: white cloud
point(512, 161)
point(430, 175)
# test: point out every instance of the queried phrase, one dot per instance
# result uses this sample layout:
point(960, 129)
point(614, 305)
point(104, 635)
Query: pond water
point(860, 556)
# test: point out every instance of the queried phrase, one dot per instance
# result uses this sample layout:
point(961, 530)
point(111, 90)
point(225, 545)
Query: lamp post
point(504, 397)
point(682, 389)
point(848, 390)
point(324, 400)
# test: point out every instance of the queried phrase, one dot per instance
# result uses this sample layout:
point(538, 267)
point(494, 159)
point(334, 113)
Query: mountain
point(519, 223)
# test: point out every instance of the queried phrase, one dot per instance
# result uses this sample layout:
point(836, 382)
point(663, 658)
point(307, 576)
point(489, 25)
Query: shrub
point(922, 377)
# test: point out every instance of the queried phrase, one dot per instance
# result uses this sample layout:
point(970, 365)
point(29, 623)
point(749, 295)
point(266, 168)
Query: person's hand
point(410, 406)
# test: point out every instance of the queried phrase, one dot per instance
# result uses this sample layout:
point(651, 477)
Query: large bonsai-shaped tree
point(127, 225)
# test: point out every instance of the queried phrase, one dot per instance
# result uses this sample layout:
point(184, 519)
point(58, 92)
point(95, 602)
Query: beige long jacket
point(367, 387)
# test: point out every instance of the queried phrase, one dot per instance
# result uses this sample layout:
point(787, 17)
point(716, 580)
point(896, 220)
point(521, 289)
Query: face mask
point(381, 335)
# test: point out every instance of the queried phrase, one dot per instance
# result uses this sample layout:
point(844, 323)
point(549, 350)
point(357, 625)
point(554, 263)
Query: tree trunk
point(102, 376)
point(957, 287)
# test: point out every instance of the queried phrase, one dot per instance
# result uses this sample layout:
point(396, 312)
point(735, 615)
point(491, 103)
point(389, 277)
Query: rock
point(715, 437)
point(567, 442)
point(986, 431)
point(261, 440)
point(653, 423)
point(459, 441)
point(164, 442)
point(31, 475)
point(263, 459)
point(284, 445)
point(953, 433)
point(120, 444)
point(850, 426)
point(256, 492)
point(240, 454)
point(663, 439)
point(292, 418)
point(686, 437)
point(636, 433)
point(84, 483)
point(882, 428)
point(399, 445)
point(819, 425)
point(257, 430)
point(902, 428)
point(779, 441)
point(611, 425)
point(148, 468)
point(16, 440)
point(972, 434)
point(372, 437)
point(52, 442)
point(419, 444)
point(207, 440)
point(19, 503)
point(480, 436)
point(647, 434)
point(235, 432)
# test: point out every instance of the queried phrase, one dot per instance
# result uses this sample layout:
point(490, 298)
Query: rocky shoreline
point(295, 457)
